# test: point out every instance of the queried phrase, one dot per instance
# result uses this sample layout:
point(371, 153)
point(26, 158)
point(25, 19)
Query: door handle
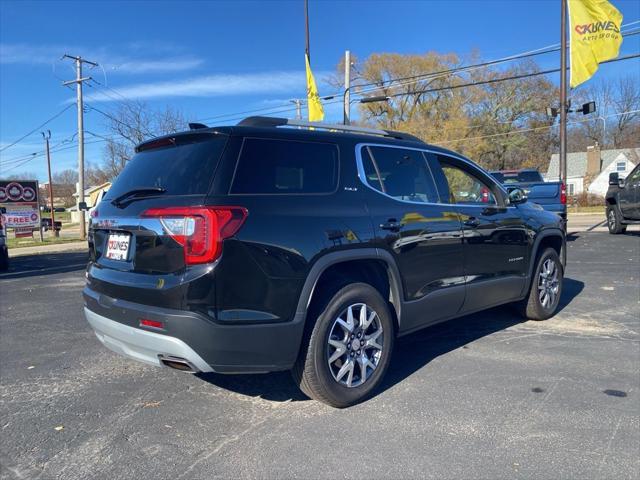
point(391, 224)
point(472, 222)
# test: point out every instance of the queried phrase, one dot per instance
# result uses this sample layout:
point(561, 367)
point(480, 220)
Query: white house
point(590, 170)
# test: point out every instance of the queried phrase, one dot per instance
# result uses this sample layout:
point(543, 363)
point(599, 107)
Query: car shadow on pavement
point(44, 264)
point(412, 352)
point(416, 350)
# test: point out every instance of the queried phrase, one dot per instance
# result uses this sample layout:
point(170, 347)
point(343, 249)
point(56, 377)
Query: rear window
point(185, 169)
point(286, 167)
point(517, 177)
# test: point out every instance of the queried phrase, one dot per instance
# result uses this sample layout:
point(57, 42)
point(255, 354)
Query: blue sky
point(212, 58)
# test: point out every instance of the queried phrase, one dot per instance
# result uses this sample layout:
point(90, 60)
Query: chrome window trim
point(363, 178)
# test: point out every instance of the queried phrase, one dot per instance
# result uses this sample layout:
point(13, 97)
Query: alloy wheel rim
point(355, 345)
point(612, 219)
point(548, 284)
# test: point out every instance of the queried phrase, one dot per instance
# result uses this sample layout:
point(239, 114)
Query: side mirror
point(614, 179)
point(83, 206)
point(517, 196)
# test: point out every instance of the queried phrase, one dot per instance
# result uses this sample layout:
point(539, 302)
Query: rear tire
point(347, 351)
point(614, 221)
point(546, 287)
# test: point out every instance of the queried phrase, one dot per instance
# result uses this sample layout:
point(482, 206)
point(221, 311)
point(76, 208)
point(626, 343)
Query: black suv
point(280, 245)
point(623, 201)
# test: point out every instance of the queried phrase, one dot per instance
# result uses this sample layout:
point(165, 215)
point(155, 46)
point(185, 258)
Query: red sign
point(20, 200)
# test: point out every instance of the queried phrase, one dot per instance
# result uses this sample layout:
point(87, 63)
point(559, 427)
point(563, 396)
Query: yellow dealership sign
point(594, 29)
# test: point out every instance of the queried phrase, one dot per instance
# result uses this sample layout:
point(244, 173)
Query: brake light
point(200, 230)
point(563, 193)
point(145, 322)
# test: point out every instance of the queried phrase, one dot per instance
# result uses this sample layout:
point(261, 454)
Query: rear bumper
point(208, 345)
point(138, 344)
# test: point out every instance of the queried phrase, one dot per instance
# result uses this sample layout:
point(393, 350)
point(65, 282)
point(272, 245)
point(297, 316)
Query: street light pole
point(298, 104)
point(347, 87)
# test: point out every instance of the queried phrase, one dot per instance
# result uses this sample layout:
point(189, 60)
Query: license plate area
point(118, 246)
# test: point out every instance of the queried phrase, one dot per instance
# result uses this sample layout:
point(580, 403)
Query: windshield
point(185, 169)
point(517, 177)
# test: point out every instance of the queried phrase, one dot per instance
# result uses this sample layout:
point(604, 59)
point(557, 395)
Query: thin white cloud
point(292, 82)
point(108, 58)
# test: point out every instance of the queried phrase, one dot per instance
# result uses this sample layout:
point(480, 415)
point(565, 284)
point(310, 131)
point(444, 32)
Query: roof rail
point(258, 121)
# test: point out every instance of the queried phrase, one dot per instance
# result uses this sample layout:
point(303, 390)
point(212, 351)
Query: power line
point(431, 75)
point(502, 79)
point(111, 117)
point(445, 73)
point(38, 127)
point(525, 130)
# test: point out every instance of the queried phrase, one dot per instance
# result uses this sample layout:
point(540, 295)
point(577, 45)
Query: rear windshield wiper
point(137, 192)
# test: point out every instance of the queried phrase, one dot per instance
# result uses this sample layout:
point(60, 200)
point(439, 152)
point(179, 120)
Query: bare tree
point(65, 177)
point(130, 124)
point(617, 105)
point(20, 176)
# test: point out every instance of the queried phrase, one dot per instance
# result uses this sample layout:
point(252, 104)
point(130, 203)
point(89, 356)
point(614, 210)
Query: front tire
point(614, 221)
point(545, 289)
point(348, 350)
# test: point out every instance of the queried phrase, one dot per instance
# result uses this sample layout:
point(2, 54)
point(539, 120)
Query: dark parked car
point(46, 224)
point(552, 196)
point(623, 201)
point(258, 247)
point(4, 251)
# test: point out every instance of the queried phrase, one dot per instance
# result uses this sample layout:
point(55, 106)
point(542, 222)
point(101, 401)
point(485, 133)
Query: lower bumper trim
point(140, 345)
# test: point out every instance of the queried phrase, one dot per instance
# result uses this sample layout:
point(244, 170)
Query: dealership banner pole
point(563, 92)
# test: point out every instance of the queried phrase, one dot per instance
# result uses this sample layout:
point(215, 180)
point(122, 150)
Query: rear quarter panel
point(263, 268)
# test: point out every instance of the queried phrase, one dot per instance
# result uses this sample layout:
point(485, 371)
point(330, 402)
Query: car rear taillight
point(200, 230)
point(563, 193)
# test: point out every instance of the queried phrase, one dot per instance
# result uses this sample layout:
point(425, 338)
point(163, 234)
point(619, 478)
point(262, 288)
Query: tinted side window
point(634, 177)
point(401, 174)
point(463, 186)
point(282, 166)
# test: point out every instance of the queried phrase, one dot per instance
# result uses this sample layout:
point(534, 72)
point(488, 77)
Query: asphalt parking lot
point(485, 396)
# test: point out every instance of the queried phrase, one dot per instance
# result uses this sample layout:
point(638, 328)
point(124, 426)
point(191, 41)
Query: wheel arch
point(550, 237)
point(370, 265)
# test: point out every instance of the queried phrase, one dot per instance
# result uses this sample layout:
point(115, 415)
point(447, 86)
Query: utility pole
point(563, 92)
point(347, 87)
point(78, 81)
point(53, 215)
point(298, 104)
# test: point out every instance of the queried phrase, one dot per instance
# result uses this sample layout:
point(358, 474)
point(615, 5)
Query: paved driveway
point(486, 396)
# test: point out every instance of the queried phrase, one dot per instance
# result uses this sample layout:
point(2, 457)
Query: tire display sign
point(20, 200)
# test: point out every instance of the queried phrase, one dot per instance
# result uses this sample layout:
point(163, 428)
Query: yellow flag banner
point(594, 30)
point(314, 105)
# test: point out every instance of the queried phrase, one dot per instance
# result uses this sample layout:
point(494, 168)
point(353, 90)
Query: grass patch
point(596, 209)
point(13, 242)
point(64, 217)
